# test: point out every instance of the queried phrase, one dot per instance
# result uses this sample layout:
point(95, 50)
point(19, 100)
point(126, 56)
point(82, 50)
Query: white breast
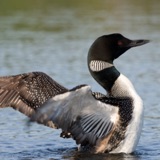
point(123, 87)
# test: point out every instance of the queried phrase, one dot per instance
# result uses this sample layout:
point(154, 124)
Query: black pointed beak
point(135, 43)
point(126, 44)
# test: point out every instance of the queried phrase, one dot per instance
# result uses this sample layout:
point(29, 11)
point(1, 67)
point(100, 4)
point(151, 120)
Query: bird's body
point(99, 123)
point(134, 113)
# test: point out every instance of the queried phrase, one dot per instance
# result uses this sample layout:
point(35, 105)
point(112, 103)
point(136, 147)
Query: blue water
point(54, 37)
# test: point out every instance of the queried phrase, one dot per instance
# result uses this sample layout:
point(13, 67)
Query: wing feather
point(27, 92)
point(79, 113)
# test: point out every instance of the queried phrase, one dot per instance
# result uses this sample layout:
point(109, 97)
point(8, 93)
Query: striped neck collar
point(97, 65)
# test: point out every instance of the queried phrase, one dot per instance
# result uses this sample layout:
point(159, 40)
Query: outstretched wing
point(27, 92)
point(79, 113)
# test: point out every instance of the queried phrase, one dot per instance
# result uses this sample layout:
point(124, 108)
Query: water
point(54, 37)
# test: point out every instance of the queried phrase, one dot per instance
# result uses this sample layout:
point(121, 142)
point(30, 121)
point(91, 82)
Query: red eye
point(120, 43)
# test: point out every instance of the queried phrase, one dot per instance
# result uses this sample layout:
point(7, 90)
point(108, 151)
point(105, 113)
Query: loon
point(99, 123)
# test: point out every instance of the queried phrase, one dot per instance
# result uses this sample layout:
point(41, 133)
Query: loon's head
point(109, 47)
point(103, 52)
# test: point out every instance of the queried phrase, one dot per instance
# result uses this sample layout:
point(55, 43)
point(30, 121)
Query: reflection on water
point(54, 37)
point(86, 156)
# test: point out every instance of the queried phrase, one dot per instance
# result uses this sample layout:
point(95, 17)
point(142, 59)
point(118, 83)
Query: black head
point(109, 47)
